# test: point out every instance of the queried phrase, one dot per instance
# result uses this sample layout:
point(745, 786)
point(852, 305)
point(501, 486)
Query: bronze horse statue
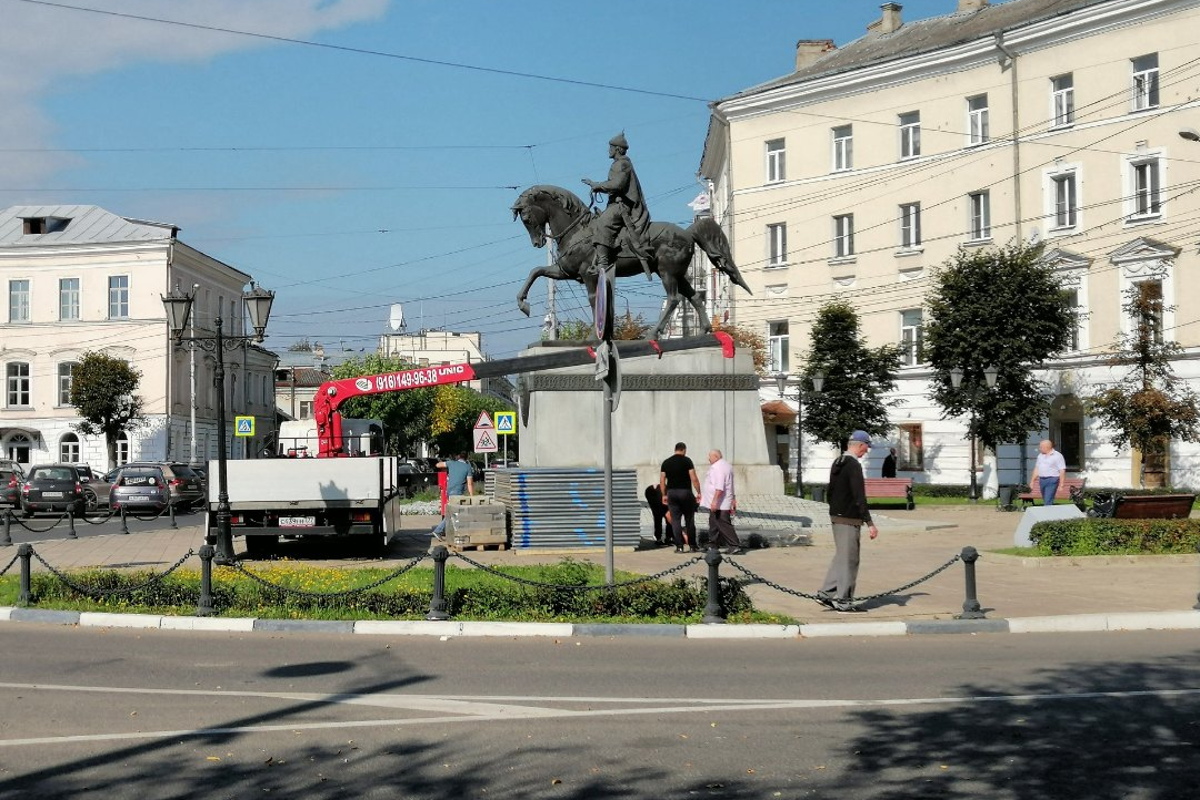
point(668, 247)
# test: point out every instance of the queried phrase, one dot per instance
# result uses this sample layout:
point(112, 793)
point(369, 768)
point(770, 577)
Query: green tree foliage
point(999, 307)
point(458, 410)
point(1150, 405)
point(625, 327)
point(102, 390)
point(407, 416)
point(857, 378)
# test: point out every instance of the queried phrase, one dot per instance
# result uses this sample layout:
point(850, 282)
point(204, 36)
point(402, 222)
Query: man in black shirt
point(889, 464)
point(681, 494)
point(847, 511)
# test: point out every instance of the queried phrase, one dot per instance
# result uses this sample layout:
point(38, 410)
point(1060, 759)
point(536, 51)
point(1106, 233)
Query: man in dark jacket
point(847, 511)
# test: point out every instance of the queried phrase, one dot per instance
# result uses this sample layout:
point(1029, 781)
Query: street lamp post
point(818, 382)
point(956, 376)
point(179, 309)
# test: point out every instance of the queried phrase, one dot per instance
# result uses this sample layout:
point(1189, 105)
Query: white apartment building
point(1070, 122)
point(79, 279)
point(426, 347)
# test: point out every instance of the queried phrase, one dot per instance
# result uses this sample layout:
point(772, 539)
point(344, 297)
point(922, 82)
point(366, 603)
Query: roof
point(306, 377)
point(83, 225)
point(923, 36)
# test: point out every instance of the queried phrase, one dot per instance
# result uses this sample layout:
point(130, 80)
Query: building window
point(1073, 302)
point(843, 236)
point(306, 409)
point(118, 297)
point(68, 298)
point(1147, 188)
point(843, 148)
point(1145, 82)
point(777, 345)
point(777, 245)
point(1152, 321)
point(68, 449)
point(910, 225)
point(981, 216)
point(18, 448)
point(912, 337)
point(977, 119)
point(1062, 100)
point(911, 451)
point(776, 161)
point(1066, 200)
point(66, 372)
point(122, 448)
point(17, 374)
point(910, 134)
point(18, 301)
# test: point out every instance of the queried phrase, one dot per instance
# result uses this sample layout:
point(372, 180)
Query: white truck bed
point(306, 482)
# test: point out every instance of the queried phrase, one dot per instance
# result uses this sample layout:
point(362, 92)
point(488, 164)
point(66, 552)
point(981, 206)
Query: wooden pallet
point(484, 546)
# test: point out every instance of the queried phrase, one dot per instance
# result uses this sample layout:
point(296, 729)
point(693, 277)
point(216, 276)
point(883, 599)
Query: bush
point(941, 490)
point(1090, 537)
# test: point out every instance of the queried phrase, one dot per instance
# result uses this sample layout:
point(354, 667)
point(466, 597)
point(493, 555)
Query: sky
point(353, 154)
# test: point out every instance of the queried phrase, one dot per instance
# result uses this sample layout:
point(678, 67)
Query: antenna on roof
point(396, 320)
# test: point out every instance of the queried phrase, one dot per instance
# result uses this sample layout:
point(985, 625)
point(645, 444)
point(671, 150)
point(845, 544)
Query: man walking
point(676, 475)
point(721, 502)
point(847, 511)
point(1048, 472)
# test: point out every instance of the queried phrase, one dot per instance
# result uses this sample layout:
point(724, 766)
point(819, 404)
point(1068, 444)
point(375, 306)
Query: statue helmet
point(619, 141)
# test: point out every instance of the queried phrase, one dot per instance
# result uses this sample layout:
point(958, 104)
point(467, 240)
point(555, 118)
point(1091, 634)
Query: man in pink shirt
point(719, 498)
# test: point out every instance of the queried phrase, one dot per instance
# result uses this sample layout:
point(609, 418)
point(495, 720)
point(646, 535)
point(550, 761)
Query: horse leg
point(686, 290)
point(553, 272)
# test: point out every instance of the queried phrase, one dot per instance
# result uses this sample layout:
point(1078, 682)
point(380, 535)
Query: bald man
point(1048, 472)
point(718, 497)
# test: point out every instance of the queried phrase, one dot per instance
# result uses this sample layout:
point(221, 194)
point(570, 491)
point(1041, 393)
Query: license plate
point(139, 498)
point(52, 494)
point(297, 522)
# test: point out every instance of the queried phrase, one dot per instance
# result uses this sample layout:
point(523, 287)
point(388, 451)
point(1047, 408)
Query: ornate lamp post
point(179, 309)
point(989, 375)
point(818, 382)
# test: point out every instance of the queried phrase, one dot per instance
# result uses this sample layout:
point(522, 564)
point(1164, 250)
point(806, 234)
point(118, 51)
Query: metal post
point(974, 495)
point(714, 612)
point(971, 608)
point(204, 608)
point(1197, 606)
point(437, 604)
point(6, 537)
point(25, 554)
point(124, 524)
point(224, 532)
point(171, 511)
point(800, 441)
point(71, 534)
point(607, 412)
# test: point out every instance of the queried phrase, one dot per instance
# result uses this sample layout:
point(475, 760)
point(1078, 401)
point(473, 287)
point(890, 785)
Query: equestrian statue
point(620, 240)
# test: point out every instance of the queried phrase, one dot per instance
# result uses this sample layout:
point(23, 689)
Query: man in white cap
point(848, 512)
point(626, 209)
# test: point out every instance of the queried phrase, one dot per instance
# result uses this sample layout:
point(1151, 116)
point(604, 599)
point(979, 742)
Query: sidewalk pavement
point(1015, 593)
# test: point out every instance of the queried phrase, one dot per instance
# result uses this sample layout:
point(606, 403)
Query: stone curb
point(1117, 621)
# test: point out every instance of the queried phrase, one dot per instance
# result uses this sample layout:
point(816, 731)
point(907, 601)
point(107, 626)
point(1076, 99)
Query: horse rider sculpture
point(626, 211)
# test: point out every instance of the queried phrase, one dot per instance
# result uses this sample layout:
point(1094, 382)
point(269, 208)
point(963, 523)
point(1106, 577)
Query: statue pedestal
point(694, 396)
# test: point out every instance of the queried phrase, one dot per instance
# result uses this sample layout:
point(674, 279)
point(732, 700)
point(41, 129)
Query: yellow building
point(1070, 122)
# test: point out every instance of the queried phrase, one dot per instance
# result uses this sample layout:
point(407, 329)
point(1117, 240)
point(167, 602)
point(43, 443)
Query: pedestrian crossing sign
point(506, 422)
point(244, 426)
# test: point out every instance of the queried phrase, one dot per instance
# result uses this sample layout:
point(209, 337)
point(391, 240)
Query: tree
point(747, 339)
point(1150, 405)
point(406, 416)
point(455, 411)
point(978, 303)
point(857, 378)
point(626, 327)
point(102, 391)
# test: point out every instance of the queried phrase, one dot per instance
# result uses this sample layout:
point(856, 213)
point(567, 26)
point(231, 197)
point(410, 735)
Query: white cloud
point(42, 45)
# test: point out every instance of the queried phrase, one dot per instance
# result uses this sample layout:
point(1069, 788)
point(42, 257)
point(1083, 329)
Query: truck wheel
point(260, 546)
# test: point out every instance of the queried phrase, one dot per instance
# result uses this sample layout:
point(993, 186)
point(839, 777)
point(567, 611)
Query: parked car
point(96, 490)
point(8, 465)
point(52, 487)
point(140, 489)
point(186, 487)
point(10, 487)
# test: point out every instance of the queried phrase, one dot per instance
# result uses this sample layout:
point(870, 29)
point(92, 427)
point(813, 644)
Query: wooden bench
point(889, 488)
point(1067, 489)
point(1154, 506)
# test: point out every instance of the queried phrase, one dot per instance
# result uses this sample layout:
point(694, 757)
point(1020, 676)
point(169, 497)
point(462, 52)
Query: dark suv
point(52, 487)
point(186, 487)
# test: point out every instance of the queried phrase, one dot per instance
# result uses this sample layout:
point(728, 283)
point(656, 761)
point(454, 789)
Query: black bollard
point(714, 612)
point(124, 524)
point(71, 534)
point(971, 608)
point(437, 604)
point(171, 510)
point(25, 553)
point(6, 537)
point(204, 608)
point(1197, 606)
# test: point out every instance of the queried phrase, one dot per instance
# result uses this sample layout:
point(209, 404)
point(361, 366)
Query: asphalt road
point(49, 527)
point(163, 714)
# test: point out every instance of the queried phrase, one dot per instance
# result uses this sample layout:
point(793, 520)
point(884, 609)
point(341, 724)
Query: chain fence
point(797, 593)
point(238, 567)
point(32, 529)
point(579, 587)
point(10, 563)
point(94, 592)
